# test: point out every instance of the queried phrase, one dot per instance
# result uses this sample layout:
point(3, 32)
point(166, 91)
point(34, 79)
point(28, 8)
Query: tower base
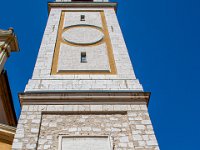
point(122, 125)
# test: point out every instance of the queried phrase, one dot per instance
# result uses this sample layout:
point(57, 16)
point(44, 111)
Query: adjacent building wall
point(4, 146)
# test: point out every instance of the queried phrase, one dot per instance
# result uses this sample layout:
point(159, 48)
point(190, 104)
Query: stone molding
point(73, 98)
point(82, 5)
point(8, 40)
point(8, 44)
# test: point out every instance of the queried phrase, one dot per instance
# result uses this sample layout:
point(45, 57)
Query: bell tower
point(83, 93)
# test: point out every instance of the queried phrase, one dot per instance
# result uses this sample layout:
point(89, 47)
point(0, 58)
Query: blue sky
point(163, 38)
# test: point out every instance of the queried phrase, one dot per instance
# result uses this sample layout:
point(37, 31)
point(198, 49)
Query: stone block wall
point(128, 126)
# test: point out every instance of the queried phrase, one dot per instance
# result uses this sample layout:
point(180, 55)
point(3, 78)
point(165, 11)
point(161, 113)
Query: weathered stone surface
point(126, 131)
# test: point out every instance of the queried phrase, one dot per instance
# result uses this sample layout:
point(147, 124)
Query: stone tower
point(83, 94)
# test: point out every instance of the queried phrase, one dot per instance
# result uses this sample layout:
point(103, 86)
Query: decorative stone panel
point(73, 18)
point(69, 58)
point(84, 143)
point(83, 35)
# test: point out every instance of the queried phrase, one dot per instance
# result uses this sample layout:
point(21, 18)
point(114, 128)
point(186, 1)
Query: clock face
point(83, 44)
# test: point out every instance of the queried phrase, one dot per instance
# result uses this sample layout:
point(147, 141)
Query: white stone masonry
point(129, 126)
point(42, 80)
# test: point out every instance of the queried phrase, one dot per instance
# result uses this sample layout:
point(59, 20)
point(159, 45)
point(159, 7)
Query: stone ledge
point(81, 4)
point(84, 98)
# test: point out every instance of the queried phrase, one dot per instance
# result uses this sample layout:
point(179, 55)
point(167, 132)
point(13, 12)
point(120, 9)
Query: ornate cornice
point(5, 32)
point(8, 40)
